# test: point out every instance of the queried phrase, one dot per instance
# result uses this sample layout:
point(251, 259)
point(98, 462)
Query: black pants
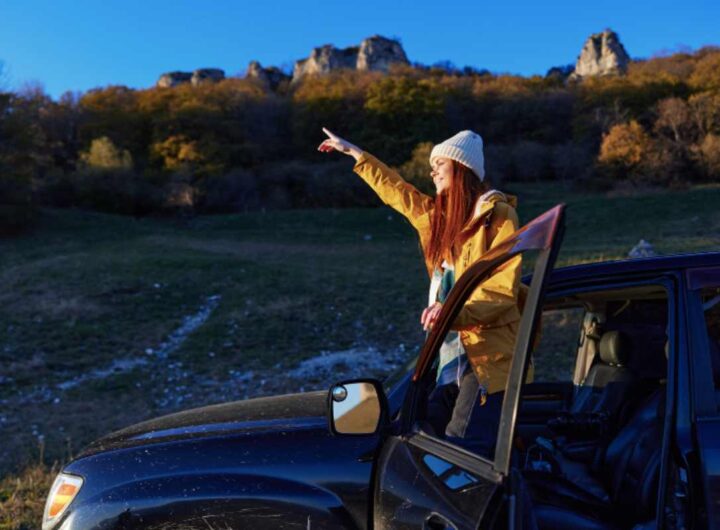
point(473, 424)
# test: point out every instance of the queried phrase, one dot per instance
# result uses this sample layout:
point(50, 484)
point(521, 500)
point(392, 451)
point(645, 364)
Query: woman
point(464, 220)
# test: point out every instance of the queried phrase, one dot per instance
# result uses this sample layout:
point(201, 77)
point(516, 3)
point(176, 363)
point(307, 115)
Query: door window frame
point(706, 403)
point(705, 396)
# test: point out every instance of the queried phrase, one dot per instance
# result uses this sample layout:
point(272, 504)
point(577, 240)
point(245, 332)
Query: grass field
point(107, 320)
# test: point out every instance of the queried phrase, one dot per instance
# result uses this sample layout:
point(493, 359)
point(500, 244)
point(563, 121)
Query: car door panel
point(422, 490)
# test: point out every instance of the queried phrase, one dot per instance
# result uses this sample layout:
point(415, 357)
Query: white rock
point(642, 250)
point(602, 54)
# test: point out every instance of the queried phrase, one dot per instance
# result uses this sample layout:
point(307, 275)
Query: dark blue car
point(620, 428)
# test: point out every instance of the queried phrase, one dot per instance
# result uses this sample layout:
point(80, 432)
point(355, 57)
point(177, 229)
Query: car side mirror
point(356, 407)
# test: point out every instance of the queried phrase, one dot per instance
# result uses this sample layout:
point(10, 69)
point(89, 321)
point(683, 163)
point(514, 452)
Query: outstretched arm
point(392, 189)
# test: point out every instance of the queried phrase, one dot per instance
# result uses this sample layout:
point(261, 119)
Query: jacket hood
point(487, 200)
point(291, 411)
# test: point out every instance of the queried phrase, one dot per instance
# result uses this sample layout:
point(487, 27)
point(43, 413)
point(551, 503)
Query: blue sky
point(84, 44)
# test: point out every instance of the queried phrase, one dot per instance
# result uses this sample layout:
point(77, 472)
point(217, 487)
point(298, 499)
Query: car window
point(556, 347)
point(645, 324)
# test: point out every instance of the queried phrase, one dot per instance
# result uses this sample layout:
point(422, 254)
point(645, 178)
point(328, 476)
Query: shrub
point(177, 152)
point(104, 155)
point(623, 151)
point(624, 145)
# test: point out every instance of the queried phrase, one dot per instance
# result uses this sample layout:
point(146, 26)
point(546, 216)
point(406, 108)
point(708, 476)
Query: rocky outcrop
point(560, 72)
point(271, 76)
point(374, 53)
point(207, 75)
point(172, 79)
point(602, 54)
point(198, 77)
point(642, 250)
point(325, 59)
point(378, 53)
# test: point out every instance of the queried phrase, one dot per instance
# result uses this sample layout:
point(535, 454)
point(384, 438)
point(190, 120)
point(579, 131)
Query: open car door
point(422, 480)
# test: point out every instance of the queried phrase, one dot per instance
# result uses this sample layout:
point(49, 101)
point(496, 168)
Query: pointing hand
point(335, 143)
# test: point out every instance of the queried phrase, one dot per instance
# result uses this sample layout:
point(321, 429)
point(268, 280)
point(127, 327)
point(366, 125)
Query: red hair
point(453, 209)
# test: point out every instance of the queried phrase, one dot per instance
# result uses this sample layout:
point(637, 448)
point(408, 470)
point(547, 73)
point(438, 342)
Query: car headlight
point(62, 493)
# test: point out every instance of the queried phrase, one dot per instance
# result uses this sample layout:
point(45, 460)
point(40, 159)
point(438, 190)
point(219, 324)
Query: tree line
point(236, 145)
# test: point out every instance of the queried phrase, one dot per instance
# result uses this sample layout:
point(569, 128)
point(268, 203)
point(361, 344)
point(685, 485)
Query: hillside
point(238, 145)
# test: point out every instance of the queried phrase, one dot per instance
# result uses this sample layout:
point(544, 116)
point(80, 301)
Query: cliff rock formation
point(602, 54)
point(374, 53)
point(325, 59)
point(378, 53)
point(207, 75)
point(271, 76)
point(172, 79)
point(199, 76)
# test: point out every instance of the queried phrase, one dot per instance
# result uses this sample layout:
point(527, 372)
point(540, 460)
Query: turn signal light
point(62, 493)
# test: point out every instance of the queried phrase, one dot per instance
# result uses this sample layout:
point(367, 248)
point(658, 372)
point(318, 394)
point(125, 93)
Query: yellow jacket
point(488, 322)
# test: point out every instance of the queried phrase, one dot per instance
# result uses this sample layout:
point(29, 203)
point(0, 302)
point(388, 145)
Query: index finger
point(330, 134)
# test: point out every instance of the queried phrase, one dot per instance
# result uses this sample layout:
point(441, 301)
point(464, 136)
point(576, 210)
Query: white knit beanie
point(465, 147)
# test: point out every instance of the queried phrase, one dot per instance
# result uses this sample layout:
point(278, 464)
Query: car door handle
point(435, 521)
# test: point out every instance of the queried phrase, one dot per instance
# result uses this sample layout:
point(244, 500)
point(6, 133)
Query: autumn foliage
point(236, 145)
point(624, 146)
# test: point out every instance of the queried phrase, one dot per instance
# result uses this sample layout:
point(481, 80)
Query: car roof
point(653, 264)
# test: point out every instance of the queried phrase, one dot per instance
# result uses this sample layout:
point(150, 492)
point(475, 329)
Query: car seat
point(604, 397)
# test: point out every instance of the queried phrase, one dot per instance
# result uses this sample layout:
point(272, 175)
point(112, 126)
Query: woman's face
point(442, 171)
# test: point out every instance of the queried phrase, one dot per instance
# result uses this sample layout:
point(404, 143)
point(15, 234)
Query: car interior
point(590, 429)
point(597, 463)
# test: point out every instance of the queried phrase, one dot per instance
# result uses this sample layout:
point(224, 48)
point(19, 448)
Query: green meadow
point(108, 320)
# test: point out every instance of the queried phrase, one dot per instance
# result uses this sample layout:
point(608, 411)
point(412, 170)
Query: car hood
point(289, 412)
